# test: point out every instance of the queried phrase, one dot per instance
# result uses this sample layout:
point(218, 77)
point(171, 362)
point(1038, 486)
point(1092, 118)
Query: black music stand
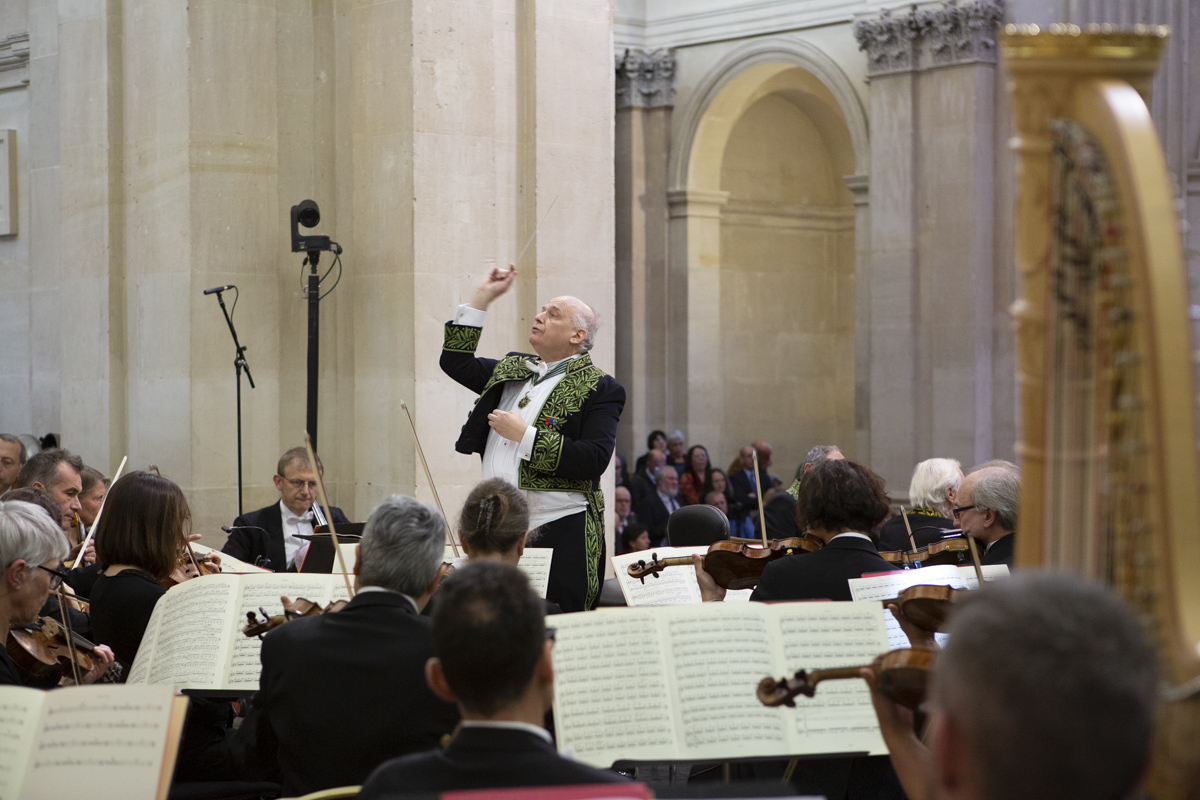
point(321, 557)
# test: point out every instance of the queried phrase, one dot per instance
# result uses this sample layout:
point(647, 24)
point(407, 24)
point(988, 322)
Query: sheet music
point(20, 709)
point(229, 564)
point(109, 739)
point(535, 563)
point(673, 586)
point(890, 584)
point(609, 672)
point(719, 715)
point(990, 573)
point(189, 633)
point(262, 592)
point(349, 551)
point(840, 718)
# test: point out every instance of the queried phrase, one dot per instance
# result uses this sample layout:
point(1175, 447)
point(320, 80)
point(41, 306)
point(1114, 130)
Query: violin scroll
point(782, 692)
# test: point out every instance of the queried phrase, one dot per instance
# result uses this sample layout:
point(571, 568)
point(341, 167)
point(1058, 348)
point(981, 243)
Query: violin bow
point(312, 460)
point(66, 618)
point(762, 517)
point(975, 557)
point(96, 522)
point(429, 475)
point(911, 541)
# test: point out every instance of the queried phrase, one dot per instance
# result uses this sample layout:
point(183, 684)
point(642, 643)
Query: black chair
point(696, 526)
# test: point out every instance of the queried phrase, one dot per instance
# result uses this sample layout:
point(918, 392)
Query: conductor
point(546, 423)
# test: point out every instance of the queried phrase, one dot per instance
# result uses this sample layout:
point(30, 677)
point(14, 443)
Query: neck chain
point(554, 371)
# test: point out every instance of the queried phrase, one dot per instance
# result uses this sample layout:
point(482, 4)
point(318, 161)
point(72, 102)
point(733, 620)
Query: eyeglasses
point(960, 509)
point(300, 486)
point(57, 576)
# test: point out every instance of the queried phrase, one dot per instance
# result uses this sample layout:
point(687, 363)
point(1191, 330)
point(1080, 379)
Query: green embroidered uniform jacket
point(576, 426)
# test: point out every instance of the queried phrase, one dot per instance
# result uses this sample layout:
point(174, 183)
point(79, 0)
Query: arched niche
point(763, 236)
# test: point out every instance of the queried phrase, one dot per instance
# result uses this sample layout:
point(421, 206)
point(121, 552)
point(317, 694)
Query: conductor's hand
point(709, 590)
point(497, 282)
point(508, 424)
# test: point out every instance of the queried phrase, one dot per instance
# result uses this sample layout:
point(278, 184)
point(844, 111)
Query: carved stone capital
point(957, 33)
point(961, 33)
point(14, 61)
point(645, 79)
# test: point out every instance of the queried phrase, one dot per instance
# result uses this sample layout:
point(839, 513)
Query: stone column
point(859, 185)
point(644, 94)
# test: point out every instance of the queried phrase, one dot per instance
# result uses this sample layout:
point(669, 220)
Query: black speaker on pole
point(307, 214)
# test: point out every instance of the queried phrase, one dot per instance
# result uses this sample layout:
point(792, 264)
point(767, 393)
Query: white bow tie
point(306, 517)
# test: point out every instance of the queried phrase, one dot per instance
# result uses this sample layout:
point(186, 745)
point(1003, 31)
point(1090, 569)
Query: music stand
point(321, 557)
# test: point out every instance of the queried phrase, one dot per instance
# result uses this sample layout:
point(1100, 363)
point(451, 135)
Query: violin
point(954, 551)
point(44, 654)
point(901, 676)
point(190, 567)
point(733, 563)
point(292, 609)
point(928, 607)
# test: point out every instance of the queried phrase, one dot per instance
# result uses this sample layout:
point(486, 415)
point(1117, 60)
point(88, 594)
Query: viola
point(45, 654)
point(901, 676)
point(292, 609)
point(733, 563)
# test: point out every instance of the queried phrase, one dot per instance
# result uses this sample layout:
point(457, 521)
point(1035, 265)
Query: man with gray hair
point(546, 424)
point(1045, 691)
point(57, 472)
point(356, 677)
point(988, 500)
point(12, 458)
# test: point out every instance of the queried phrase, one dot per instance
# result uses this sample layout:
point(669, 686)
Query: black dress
point(9, 676)
point(121, 608)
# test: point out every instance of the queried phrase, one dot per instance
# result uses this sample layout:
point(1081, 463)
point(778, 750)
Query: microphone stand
point(239, 364)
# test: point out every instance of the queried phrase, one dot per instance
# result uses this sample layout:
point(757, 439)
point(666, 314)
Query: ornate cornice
point(14, 61)
point(956, 33)
point(645, 79)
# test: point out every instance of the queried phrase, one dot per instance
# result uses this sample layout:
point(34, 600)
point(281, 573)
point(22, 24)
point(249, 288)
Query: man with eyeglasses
point(988, 500)
point(269, 537)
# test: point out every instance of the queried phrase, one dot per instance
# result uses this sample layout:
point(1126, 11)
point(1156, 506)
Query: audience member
point(657, 440)
point(494, 526)
point(622, 510)
point(92, 495)
point(270, 536)
point(643, 484)
point(12, 457)
point(988, 500)
point(356, 677)
point(1046, 690)
point(675, 457)
point(741, 481)
point(769, 480)
point(32, 547)
point(492, 658)
point(661, 504)
point(696, 475)
point(635, 538)
point(932, 494)
point(740, 523)
point(780, 509)
point(56, 472)
point(620, 474)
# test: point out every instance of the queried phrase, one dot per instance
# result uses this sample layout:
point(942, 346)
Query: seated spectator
point(675, 458)
point(494, 526)
point(657, 440)
point(492, 658)
point(740, 524)
point(620, 474)
point(696, 475)
point(356, 677)
point(741, 481)
point(635, 538)
point(622, 510)
point(642, 486)
point(662, 504)
point(12, 457)
point(931, 492)
point(1046, 691)
point(769, 480)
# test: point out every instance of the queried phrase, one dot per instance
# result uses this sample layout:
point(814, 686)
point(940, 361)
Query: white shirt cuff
point(470, 317)
point(527, 442)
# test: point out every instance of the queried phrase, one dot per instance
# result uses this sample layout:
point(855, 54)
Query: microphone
point(232, 528)
point(216, 289)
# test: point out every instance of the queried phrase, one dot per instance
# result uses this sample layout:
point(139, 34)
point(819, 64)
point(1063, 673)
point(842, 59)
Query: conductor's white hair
point(584, 317)
point(931, 479)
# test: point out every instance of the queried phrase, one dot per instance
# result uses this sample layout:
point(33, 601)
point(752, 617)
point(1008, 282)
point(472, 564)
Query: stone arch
point(704, 244)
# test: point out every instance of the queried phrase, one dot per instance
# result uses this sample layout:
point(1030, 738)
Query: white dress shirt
point(669, 501)
point(510, 725)
point(502, 457)
point(294, 547)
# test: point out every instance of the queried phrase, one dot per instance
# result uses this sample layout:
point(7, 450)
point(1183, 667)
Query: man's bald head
point(565, 326)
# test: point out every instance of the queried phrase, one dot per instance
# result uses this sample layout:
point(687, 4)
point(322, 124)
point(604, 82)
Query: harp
point(1110, 479)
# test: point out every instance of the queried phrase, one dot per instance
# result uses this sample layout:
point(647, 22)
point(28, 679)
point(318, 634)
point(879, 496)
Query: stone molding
point(695, 203)
point(645, 79)
point(14, 61)
point(753, 214)
point(956, 33)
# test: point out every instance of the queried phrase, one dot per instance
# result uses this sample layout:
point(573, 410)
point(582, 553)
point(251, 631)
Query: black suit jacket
point(1001, 551)
point(355, 678)
point(742, 487)
point(248, 544)
point(656, 517)
point(780, 512)
point(482, 758)
point(926, 530)
point(820, 575)
point(588, 436)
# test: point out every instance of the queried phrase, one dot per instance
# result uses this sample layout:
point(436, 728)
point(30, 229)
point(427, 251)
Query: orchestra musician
point(932, 491)
point(12, 458)
point(56, 472)
point(353, 679)
point(494, 526)
point(268, 537)
point(32, 547)
point(1045, 691)
point(546, 424)
point(492, 657)
point(988, 501)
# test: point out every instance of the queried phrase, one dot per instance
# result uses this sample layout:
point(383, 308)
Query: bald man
point(546, 423)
